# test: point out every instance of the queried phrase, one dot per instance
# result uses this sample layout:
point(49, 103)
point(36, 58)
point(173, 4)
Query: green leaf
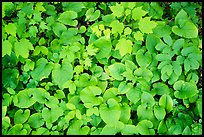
point(156, 11)
point(42, 69)
point(6, 48)
point(199, 106)
point(73, 6)
point(129, 130)
point(29, 65)
point(184, 27)
point(77, 128)
point(166, 102)
point(36, 120)
point(59, 71)
point(67, 18)
point(144, 127)
point(88, 96)
point(110, 112)
point(185, 90)
point(24, 98)
point(17, 130)
point(58, 28)
point(51, 115)
point(59, 94)
point(160, 88)
point(11, 29)
point(117, 10)
point(104, 45)
point(144, 112)
point(134, 95)
point(116, 70)
point(143, 59)
point(21, 116)
point(159, 112)
point(4, 110)
point(146, 26)
point(33, 31)
point(187, 131)
point(177, 68)
point(125, 113)
point(178, 44)
point(144, 73)
point(124, 87)
point(22, 48)
point(138, 13)
point(147, 99)
point(151, 42)
point(92, 15)
point(162, 128)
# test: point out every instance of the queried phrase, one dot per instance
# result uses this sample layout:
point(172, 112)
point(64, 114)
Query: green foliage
point(101, 68)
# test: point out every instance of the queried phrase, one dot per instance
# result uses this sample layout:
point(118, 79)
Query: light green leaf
point(29, 65)
point(112, 128)
point(62, 73)
point(116, 70)
point(24, 98)
point(22, 48)
point(186, 90)
point(58, 28)
point(17, 130)
point(42, 69)
point(36, 120)
point(138, 36)
point(51, 115)
point(166, 102)
point(67, 18)
point(160, 88)
point(177, 68)
point(144, 112)
point(144, 73)
point(117, 27)
point(144, 127)
point(146, 26)
point(162, 127)
point(124, 87)
point(178, 44)
point(6, 48)
point(125, 113)
point(124, 46)
point(11, 29)
point(129, 130)
point(134, 95)
point(104, 45)
point(138, 13)
point(21, 116)
point(159, 112)
point(184, 27)
point(143, 58)
point(147, 99)
point(88, 96)
point(92, 15)
point(117, 10)
point(77, 128)
point(110, 112)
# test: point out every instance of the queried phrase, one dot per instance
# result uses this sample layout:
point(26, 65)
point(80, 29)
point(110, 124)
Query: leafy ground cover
point(101, 68)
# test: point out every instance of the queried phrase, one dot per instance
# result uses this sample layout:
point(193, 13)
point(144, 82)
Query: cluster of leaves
point(101, 68)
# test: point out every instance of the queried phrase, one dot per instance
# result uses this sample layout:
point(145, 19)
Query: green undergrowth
point(129, 68)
